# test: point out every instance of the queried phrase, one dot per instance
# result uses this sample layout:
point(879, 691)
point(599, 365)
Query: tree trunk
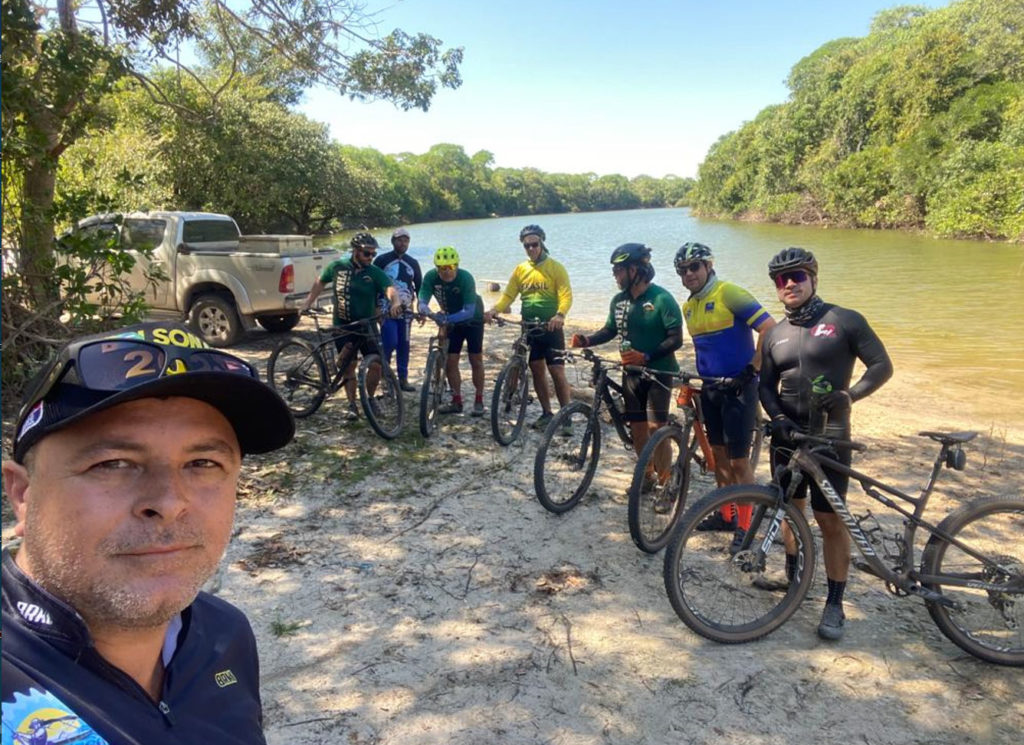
point(35, 259)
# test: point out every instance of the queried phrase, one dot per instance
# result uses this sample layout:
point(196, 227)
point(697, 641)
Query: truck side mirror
point(183, 248)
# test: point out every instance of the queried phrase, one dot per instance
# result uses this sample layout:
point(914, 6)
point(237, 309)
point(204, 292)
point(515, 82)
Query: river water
point(951, 313)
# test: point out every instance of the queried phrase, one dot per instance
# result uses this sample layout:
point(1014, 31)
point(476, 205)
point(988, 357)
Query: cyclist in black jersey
point(806, 366)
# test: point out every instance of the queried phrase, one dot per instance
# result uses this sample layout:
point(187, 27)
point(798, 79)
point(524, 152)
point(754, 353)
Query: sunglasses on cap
point(531, 244)
point(693, 267)
point(114, 365)
point(797, 276)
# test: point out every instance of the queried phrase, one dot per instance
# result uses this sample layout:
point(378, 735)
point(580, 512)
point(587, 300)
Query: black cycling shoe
point(832, 621)
point(717, 523)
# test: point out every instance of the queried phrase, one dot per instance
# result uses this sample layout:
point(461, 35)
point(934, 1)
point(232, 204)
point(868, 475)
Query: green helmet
point(446, 256)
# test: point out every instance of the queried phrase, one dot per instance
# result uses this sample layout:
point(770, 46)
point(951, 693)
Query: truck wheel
point(216, 320)
point(278, 324)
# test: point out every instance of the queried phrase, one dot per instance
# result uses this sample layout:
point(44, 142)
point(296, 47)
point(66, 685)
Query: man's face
point(126, 513)
point(694, 274)
point(400, 244)
point(623, 274)
point(364, 255)
point(447, 272)
point(794, 287)
point(533, 246)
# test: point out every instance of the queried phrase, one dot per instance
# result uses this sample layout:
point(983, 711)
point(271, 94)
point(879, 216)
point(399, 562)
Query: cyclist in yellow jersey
point(543, 284)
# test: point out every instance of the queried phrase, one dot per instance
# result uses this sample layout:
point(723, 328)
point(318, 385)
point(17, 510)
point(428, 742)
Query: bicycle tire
point(565, 464)
point(983, 622)
point(735, 598)
point(385, 411)
point(298, 373)
point(654, 514)
point(509, 400)
point(431, 392)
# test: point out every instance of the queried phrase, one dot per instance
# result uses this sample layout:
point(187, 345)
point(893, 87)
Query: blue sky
point(611, 87)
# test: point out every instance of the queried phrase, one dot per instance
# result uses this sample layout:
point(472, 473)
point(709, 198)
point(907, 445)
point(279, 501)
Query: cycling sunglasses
point(113, 365)
point(797, 276)
point(693, 267)
point(447, 268)
point(531, 244)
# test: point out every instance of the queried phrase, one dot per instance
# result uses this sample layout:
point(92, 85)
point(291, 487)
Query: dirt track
point(416, 592)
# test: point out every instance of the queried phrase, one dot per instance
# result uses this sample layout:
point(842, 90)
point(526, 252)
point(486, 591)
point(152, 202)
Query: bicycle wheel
point(988, 618)
point(431, 392)
point(385, 411)
point(655, 512)
point(567, 458)
point(737, 598)
point(297, 372)
point(508, 403)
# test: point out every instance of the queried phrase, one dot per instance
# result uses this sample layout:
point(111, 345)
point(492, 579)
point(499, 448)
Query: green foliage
point(887, 131)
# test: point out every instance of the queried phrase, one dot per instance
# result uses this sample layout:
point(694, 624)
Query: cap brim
point(261, 420)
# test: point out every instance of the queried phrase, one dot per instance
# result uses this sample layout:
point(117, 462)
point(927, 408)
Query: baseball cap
point(400, 233)
point(150, 360)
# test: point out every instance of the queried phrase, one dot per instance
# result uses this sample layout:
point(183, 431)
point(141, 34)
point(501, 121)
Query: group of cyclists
point(798, 368)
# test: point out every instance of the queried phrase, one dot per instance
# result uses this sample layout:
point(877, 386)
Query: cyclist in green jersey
point(546, 294)
point(462, 311)
point(650, 324)
point(356, 285)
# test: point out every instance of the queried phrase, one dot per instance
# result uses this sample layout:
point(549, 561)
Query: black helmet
point(536, 230)
point(631, 253)
point(792, 258)
point(690, 252)
point(360, 240)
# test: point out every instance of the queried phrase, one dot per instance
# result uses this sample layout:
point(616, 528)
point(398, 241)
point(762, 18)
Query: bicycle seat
point(950, 438)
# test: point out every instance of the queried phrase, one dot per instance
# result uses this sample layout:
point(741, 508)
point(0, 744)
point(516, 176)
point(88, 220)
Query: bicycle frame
point(603, 388)
point(334, 357)
point(806, 460)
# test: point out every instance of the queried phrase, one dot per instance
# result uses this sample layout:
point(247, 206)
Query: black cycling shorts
point(365, 343)
point(646, 400)
point(549, 346)
point(729, 418)
point(839, 481)
point(470, 332)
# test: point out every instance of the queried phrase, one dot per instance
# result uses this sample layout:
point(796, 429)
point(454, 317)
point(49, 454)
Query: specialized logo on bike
point(824, 329)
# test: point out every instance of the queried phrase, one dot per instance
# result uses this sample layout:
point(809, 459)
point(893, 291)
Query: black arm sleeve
point(417, 277)
point(601, 336)
point(672, 341)
point(870, 350)
point(768, 388)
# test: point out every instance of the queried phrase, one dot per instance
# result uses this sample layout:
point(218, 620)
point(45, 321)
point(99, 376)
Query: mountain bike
point(435, 381)
point(657, 498)
point(304, 374)
point(511, 389)
point(971, 575)
point(571, 444)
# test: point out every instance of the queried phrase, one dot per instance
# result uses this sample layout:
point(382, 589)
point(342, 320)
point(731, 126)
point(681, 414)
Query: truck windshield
point(142, 235)
point(209, 231)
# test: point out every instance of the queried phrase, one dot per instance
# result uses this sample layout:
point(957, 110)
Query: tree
point(59, 62)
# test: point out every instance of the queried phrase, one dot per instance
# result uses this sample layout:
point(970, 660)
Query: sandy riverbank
point(428, 598)
point(416, 592)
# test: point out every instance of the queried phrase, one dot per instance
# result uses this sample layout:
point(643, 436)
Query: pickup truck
point(221, 282)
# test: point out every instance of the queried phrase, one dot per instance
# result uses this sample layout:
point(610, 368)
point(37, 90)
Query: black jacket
point(53, 674)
